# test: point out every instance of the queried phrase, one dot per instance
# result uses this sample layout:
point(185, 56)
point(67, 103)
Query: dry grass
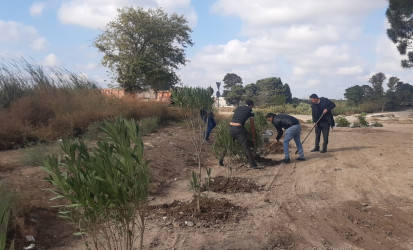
point(58, 113)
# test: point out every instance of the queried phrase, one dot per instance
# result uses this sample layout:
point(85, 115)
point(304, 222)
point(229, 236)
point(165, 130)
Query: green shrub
point(37, 154)
point(361, 120)
point(105, 188)
point(341, 121)
point(225, 143)
point(149, 125)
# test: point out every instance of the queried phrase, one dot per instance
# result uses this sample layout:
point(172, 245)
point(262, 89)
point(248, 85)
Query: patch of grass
point(149, 125)
point(37, 154)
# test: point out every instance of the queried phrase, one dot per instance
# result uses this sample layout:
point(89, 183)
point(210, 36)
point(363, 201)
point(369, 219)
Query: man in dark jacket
point(292, 131)
point(322, 107)
point(239, 133)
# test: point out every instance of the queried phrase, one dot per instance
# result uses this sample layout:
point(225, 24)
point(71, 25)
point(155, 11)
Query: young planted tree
point(191, 101)
point(106, 187)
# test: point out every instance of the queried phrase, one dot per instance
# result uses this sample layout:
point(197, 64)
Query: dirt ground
point(358, 195)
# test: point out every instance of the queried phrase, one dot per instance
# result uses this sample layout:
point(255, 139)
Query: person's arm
point(279, 130)
point(328, 106)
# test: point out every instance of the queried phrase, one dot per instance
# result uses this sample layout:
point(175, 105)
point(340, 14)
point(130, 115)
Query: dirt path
point(356, 196)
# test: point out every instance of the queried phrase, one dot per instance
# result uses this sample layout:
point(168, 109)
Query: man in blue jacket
point(323, 120)
point(292, 131)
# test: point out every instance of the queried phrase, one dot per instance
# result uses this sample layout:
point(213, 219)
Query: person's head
point(250, 103)
point(270, 117)
point(314, 98)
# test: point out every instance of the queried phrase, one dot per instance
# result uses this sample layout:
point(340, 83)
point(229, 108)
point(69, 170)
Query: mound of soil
point(213, 212)
point(221, 184)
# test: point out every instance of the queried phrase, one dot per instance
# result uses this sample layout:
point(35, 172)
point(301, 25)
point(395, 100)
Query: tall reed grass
point(44, 104)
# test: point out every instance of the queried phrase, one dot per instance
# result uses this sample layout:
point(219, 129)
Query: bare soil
point(358, 195)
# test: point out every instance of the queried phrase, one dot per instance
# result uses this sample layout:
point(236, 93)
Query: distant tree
point(210, 90)
point(269, 88)
point(143, 48)
point(235, 95)
point(251, 91)
point(368, 92)
point(392, 83)
point(400, 16)
point(404, 92)
point(377, 83)
point(355, 94)
point(231, 80)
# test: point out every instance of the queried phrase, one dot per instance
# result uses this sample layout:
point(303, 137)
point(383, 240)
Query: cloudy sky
point(316, 46)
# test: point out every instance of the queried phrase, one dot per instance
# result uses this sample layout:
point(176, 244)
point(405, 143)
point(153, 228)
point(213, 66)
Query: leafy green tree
point(368, 91)
point(235, 95)
point(404, 92)
point(269, 88)
point(392, 83)
point(355, 94)
point(231, 80)
point(251, 91)
point(377, 83)
point(143, 48)
point(400, 16)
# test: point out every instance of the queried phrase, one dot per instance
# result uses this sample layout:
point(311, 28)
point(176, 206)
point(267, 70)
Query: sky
point(316, 46)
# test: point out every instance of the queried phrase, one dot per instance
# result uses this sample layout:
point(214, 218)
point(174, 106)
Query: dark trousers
point(241, 135)
point(210, 125)
point(325, 129)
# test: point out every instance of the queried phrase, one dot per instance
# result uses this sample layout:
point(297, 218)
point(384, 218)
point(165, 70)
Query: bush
point(149, 125)
point(225, 143)
point(341, 121)
point(361, 120)
point(105, 188)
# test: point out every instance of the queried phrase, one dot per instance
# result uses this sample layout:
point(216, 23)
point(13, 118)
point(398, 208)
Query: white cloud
point(97, 13)
point(13, 32)
point(355, 70)
point(39, 44)
point(36, 9)
point(51, 60)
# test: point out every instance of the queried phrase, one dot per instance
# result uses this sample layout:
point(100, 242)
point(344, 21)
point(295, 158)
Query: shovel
point(311, 130)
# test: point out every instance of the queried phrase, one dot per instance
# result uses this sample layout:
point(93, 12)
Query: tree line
point(267, 91)
point(399, 94)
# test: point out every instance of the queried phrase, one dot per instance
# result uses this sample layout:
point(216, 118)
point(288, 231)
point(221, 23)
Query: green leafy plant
point(105, 187)
point(361, 120)
point(191, 101)
point(341, 121)
point(224, 141)
point(149, 125)
point(5, 213)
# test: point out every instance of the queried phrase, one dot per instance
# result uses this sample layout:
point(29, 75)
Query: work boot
point(323, 150)
point(314, 150)
point(301, 159)
point(287, 160)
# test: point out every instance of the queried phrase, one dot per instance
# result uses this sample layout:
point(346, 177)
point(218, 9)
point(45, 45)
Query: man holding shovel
point(323, 120)
point(292, 131)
